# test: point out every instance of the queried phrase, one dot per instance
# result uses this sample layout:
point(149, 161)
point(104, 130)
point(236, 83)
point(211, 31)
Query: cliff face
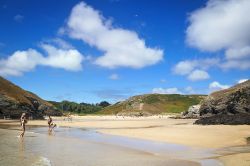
point(229, 106)
point(14, 100)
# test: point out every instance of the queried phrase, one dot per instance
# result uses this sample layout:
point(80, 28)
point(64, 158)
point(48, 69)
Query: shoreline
point(155, 129)
point(164, 129)
point(38, 147)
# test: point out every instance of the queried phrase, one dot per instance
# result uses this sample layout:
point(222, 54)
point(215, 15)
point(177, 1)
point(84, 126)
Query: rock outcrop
point(192, 112)
point(229, 106)
point(14, 101)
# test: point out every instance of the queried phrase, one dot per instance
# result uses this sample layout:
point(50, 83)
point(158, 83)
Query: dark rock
point(229, 106)
point(236, 119)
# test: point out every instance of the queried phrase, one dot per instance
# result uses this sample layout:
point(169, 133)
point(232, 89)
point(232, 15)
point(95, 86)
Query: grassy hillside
point(154, 104)
point(14, 100)
point(17, 94)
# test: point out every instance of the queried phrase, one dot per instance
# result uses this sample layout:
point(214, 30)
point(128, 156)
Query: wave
point(42, 161)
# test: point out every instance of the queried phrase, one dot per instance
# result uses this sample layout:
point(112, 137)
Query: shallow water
point(73, 146)
point(66, 146)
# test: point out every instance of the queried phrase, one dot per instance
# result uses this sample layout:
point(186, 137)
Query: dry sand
point(241, 159)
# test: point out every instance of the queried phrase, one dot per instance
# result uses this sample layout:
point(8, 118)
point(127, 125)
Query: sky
point(95, 50)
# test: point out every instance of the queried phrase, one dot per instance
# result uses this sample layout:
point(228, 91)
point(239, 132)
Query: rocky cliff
point(229, 106)
point(14, 100)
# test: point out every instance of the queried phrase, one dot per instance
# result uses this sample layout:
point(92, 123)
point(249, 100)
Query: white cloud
point(166, 91)
point(19, 62)
point(238, 53)
point(220, 25)
point(60, 58)
point(184, 67)
point(214, 86)
point(195, 70)
point(198, 75)
point(223, 25)
point(24, 61)
point(62, 43)
point(243, 64)
point(121, 47)
point(242, 80)
point(114, 77)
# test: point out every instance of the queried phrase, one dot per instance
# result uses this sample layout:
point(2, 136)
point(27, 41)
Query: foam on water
point(42, 161)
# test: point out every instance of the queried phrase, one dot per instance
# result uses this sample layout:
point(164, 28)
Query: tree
point(104, 104)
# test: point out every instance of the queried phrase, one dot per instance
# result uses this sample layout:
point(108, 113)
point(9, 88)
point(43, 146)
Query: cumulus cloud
point(214, 86)
point(166, 91)
point(121, 47)
point(198, 75)
point(61, 58)
point(19, 62)
point(242, 80)
point(238, 53)
point(114, 77)
point(243, 64)
point(61, 43)
point(24, 61)
point(222, 26)
point(195, 70)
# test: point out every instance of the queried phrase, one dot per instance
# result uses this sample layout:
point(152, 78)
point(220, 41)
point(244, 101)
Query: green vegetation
point(149, 103)
point(79, 108)
point(155, 104)
point(151, 99)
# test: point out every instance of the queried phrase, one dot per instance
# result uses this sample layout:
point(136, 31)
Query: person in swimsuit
point(23, 122)
point(51, 124)
point(49, 121)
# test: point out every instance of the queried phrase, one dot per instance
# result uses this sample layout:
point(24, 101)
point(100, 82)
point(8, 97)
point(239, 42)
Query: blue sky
point(92, 50)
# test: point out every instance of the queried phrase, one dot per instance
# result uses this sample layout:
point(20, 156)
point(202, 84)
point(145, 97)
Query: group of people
point(24, 120)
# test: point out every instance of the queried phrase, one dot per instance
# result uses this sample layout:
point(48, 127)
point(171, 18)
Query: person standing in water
point(49, 121)
point(23, 122)
point(51, 124)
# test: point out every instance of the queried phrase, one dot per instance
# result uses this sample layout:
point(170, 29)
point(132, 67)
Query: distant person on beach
point(23, 121)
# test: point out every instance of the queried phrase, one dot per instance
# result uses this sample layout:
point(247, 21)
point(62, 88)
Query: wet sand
point(39, 148)
point(163, 129)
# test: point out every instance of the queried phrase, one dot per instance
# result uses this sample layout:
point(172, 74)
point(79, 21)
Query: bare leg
point(23, 130)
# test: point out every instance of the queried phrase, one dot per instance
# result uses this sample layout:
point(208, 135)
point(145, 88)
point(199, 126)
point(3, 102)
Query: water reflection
point(21, 151)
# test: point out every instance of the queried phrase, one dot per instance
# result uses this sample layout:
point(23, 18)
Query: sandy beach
point(163, 129)
point(180, 131)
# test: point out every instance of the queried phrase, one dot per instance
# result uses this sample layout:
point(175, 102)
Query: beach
point(192, 144)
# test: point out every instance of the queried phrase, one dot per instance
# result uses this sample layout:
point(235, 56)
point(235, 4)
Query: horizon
point(92, 51)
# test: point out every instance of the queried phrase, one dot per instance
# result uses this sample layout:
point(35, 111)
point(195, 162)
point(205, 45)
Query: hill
point(15, 100)
point(229, 106)
point(150, 104)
